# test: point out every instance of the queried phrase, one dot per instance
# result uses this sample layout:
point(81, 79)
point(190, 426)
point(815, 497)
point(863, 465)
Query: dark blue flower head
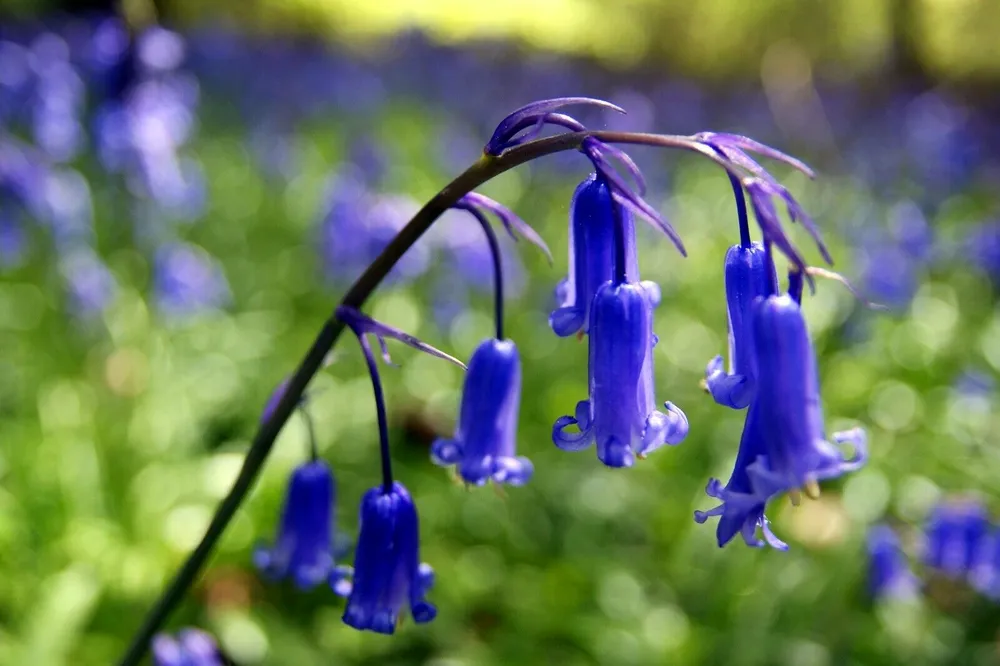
point(621, 415)
point(889, 574)
point(591, 255)
point(387, 571)
point(798, 454)
point(485, 438)
point(749, 275)
point(953, 535)
point(742, 510)
point(303, 549)
point(192, 647)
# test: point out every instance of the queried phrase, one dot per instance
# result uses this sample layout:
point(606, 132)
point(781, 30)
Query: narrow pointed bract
point(742, 510)
point(303, 549)
point(485, 440)
point(749, 275)
point(889, 574)
point(192, 647)
point(621, 416)
point(798, 454)
point(387, 573)
point(591, 256)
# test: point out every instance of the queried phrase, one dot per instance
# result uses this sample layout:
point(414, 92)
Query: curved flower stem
point(491, 238)
point(383, 422)
point(310, 433)
point(741, 206)
point(486, 168)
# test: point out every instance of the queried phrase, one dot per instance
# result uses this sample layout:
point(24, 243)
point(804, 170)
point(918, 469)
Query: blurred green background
point(158, 281)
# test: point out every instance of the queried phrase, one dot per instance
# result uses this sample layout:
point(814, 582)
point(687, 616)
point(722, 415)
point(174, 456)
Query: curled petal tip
point(530, 114)
point(744, 143)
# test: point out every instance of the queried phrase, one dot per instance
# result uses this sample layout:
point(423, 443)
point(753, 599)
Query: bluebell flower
point(798, 454)
point(749, 275)
point(485, 437)
point(984, 573)
point(621, 415)
point(304, 548)
point(742, 509)
point(889, 574)
point(533, 118)
point(387, 571)
point(591, 256)
point(90, 284)
point(953, 535)
point(192, 647)
point(186, 280)
point(12, 240)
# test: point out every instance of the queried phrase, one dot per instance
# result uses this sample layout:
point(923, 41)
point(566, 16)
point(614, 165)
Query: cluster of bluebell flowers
point(958, 542)
point(772, 371)
point(191, 647)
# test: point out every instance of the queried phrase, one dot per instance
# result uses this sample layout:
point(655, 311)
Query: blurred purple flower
point(12, 240)
point(187, 280)
point(953, 535)
point(90, 284)
point(889, 574)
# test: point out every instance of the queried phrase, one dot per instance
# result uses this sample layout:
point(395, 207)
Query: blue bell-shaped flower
point(954, 535)
point(621, 415)
point(742, 511)
point(485, 438)
point(303, 549)
point(797, 453)
point(591, 256)
point(889, 574)
point(749, 275)
point(387, 571)
point(192, 647)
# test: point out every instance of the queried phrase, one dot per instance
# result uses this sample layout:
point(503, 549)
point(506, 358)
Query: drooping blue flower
point(749, 275)
point(953, 535)
point(187, 280)
point(192, 647)
point(889, 574)
point(621, 415)
point(798, 454)
point(591, 256)
point(303, 549)
point(387, 571)
point(485, 437)
point(742, 510)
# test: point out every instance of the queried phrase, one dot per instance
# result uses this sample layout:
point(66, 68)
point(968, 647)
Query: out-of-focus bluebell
point(591, 256)
point(12, 240)
point(15, 81)
point(369, 156)
point(191, 647)
point(90, 285)
point(940, 142)
point(910, 231)
point(187, 280)
point(68, 208)
point(984, 571)
point(620, 415)
point(889, 574)
point(742, 509)
point(748, 276)
point(356, 226)
point(953, 534)
point(982, 248)
point(58, 98)
point(889, 275)
point(798, 454)
point(485, 441)
point(303, 549)
point(387, 573)
point(975, 383)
